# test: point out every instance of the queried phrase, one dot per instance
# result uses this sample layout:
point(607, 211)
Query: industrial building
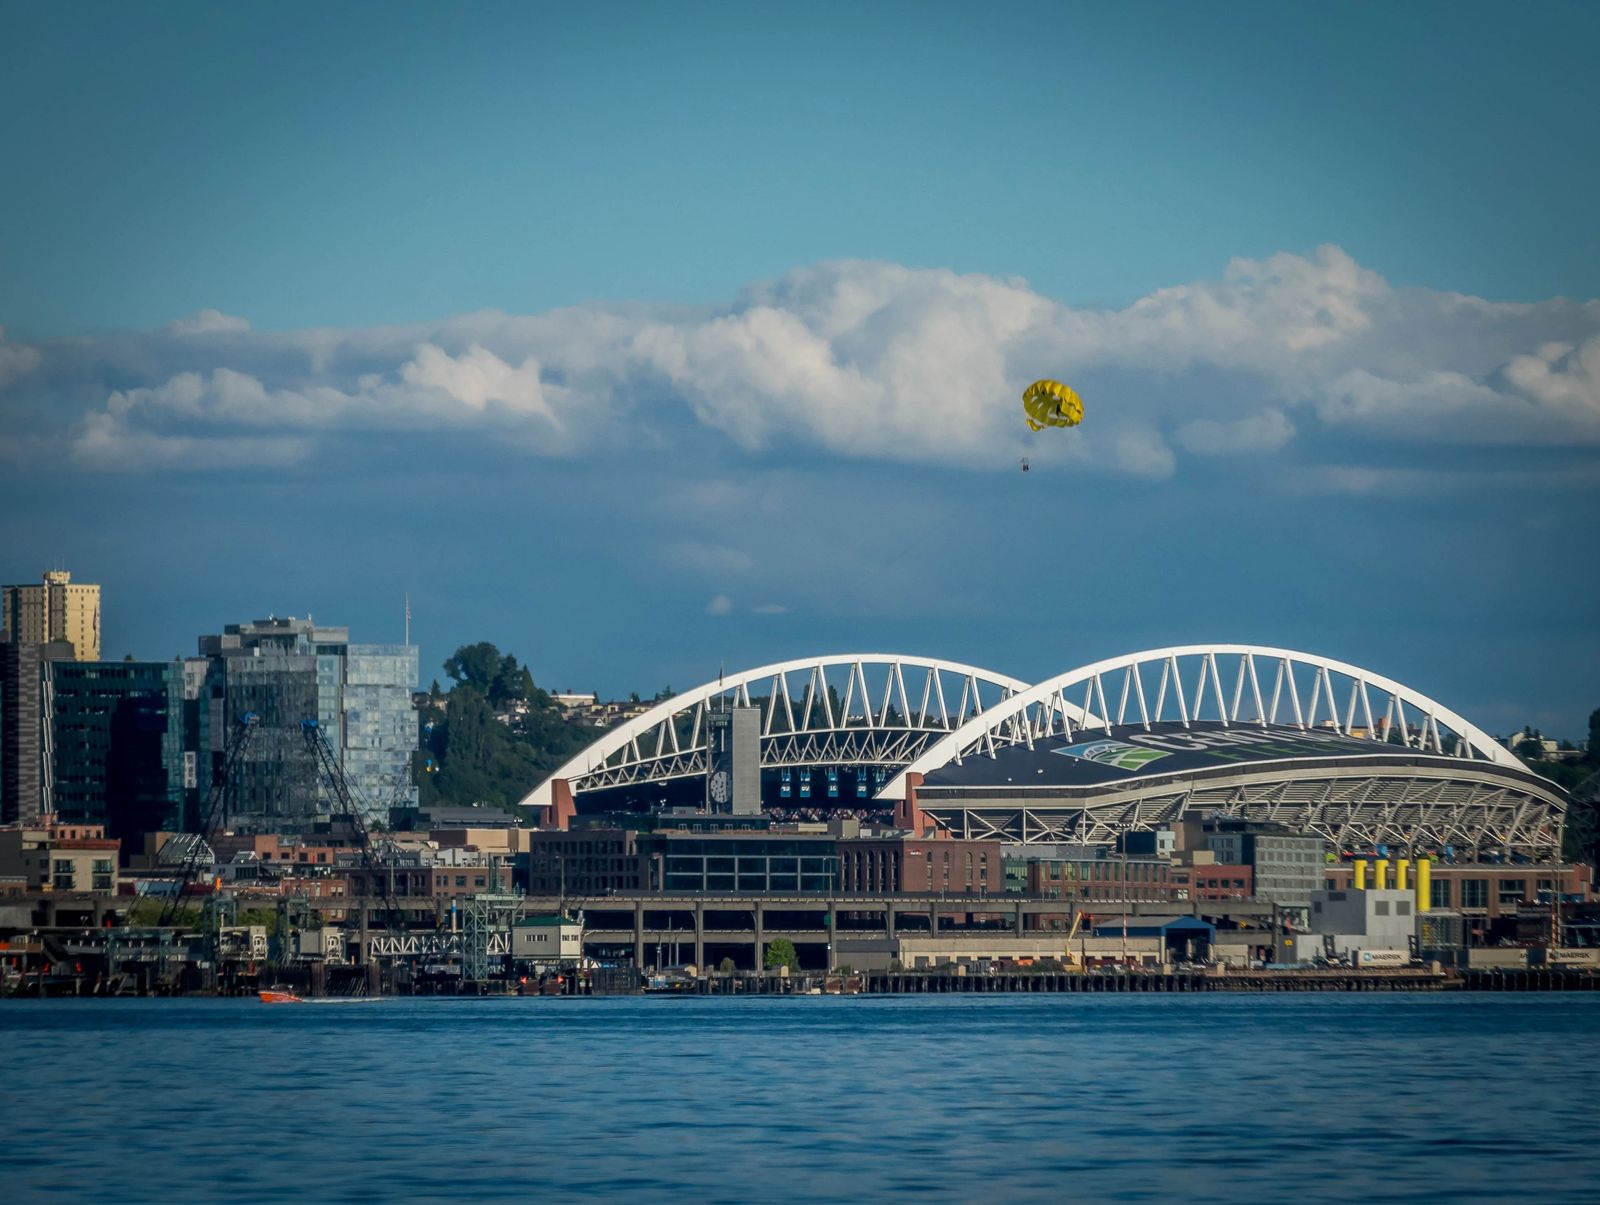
point(1372, 927)
point(1285, 865)
point(1488, 890)
point(902, 863)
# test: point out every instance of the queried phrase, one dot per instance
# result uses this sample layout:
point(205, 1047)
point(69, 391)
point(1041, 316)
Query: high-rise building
point(53, 611)
point(115, 757)
point(21, 732)
point(90, 742)
point(286, 671)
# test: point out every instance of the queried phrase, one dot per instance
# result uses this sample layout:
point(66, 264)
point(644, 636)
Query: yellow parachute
point(1051, 404)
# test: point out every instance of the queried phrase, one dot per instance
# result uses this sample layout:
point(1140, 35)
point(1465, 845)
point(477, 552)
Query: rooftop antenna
point(408, 618)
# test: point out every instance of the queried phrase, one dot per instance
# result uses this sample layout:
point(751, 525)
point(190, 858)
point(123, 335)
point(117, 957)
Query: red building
point(894, 865)
point(1208, 883)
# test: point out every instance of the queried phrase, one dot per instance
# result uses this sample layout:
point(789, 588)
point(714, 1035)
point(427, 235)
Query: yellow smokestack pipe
point(1424, 884)
point(1401, 882)
point(1361, 875)
point(1381, 870)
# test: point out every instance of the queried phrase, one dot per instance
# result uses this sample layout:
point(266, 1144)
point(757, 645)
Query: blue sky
point(643, 338)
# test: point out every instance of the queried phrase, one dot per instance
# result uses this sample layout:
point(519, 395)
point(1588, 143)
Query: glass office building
point(111, 744)
point(288, 670)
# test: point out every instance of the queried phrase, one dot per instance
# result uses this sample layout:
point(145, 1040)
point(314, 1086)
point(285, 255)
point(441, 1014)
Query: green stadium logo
point(1119, 754)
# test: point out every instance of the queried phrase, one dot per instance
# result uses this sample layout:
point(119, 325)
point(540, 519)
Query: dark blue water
point(1204, 1098)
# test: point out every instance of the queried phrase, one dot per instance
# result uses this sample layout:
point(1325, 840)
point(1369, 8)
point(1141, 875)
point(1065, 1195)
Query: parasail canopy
point(1051, 404)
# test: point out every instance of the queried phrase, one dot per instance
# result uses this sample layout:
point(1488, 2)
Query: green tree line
point(1581, 778)
point(467, 755)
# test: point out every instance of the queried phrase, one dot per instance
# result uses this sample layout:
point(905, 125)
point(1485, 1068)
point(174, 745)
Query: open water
point(1049, 1098)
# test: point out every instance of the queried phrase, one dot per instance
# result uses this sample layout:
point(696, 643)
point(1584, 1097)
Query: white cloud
point(721, 604)
point(17, 360)
point(434, 391)
point(877, 361)
point(770, 609)
point(479, 378)
point(1562, 377)
point(208, 322)
point(1265, 431)
point(103, 445)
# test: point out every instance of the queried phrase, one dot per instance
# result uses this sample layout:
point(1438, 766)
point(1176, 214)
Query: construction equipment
point(1070, 960)
point(351, 807)
point(199, 850)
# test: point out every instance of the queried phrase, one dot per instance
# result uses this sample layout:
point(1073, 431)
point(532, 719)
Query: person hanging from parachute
point(1050, 404)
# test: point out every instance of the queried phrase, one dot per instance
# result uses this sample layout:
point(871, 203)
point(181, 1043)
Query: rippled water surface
point(1204, 1098)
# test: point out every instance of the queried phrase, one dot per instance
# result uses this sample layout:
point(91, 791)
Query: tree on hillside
point(493, 674)
point(474, 665)
point(477, 758)
point(1581, 778)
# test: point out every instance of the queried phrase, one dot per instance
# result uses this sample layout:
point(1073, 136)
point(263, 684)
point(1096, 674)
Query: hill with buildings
point(494, 733)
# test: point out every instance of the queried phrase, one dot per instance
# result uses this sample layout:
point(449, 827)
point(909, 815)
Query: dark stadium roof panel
point(1095, 757)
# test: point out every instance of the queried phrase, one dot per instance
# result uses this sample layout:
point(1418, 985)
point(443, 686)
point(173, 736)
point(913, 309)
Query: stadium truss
point(850, 709)
point(1431, 780)
point(1357, 808)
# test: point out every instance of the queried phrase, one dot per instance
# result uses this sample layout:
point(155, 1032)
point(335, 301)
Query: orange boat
point(273, 995)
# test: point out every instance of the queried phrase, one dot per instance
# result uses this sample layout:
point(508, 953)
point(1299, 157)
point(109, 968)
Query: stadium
point(1136, 742)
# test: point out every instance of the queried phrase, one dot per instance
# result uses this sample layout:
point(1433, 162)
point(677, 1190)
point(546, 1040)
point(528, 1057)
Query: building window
point(1474, 893)
point(1439, 893)
point(1513, 891)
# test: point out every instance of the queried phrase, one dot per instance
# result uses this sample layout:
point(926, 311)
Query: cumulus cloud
point(721, 604)
point(1561, 377)
point(862, 360)
point(173, 424)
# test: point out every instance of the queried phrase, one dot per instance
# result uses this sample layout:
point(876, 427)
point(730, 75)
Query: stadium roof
point(1131, 752)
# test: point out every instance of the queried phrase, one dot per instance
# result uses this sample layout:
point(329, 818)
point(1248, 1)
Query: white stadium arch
point(889, 708)
point(1050, 707)
point(1431, 778)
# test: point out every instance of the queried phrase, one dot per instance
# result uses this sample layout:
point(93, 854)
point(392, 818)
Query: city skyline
point(636, 348)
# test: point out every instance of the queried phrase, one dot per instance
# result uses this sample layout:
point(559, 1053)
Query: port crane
point(348, 807)
point(1077, 920)
point(212, 811)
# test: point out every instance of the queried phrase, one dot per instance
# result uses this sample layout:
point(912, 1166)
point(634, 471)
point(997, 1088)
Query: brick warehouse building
point(1486, 889)
point(909, 865)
